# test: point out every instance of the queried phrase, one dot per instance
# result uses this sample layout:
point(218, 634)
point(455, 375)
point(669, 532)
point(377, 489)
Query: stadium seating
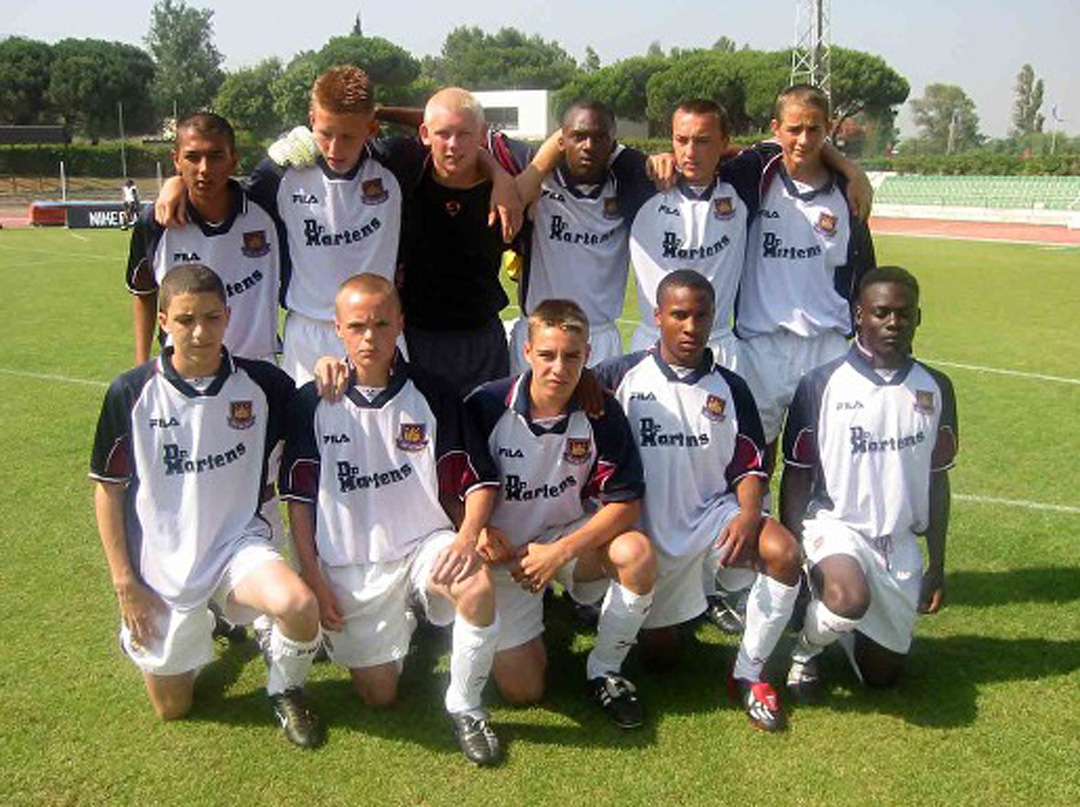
point(1006, 192)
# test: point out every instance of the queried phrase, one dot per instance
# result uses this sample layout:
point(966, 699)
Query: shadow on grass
point(940, 687)
point(1052, 584)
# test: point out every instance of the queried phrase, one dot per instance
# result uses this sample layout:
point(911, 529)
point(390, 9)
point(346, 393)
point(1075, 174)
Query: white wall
point(535, 118)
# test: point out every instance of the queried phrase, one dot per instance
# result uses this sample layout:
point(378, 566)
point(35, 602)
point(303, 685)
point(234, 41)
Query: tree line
point(81, 83)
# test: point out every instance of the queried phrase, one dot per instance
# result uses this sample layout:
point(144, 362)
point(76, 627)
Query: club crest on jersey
point(924, 401)
point(714, 408)
point(372, 192)
point(578, 450)
point(826, 224)
point(611, 208)
point(723, 208)
point(241, 414)
point(453, 207)
point(412, 437)
point(255, 244)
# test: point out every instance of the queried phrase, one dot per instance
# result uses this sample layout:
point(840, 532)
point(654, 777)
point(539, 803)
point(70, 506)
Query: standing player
point(699, 224)
point(699, 436)
point(552, 460)
point(868, 444)
point(226, 229)
point(180, 463)
point(365, 478)
point(579, 246)
point(803, 263)
point(130, 210)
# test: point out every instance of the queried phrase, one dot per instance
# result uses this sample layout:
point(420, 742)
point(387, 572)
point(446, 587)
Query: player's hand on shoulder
point(505, 208)
point(139, 608)
point(297, 149)
point(860, 197)
point(589, 394)
point(170, 207)
point(661, 169)
point(932, 593)
point(331, 378)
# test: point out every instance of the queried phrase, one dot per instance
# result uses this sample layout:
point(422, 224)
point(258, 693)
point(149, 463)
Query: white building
point(530, 114)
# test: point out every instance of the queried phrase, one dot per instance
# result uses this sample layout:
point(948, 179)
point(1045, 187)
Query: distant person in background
point(130, 210)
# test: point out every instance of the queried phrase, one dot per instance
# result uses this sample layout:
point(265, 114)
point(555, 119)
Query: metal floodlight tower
point(811, 62)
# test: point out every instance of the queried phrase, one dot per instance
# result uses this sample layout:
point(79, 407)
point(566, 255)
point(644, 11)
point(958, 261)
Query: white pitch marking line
point(80, 237)
point(1027, 505)
point(998, 371)
point(66, 379)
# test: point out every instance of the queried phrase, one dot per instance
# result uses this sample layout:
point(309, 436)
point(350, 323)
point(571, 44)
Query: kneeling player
point(701, 445)
point(552, 460)
point(869, 440)
point(180, 461)
point(364, 478)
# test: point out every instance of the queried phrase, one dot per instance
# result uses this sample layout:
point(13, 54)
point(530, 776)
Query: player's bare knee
point(474, 597)
point(295, 607)
point(376, 691)
point(632, 555)
point(779, 552)
point(846, 599)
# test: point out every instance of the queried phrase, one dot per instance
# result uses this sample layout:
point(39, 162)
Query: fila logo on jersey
point(412, 437)
point(560, 232)
point(773, 247)
point(652, 436)
point(241, 414)
point(303, 198)
point(724, 208)
point(863, 442)
point(512, 453)
point(924, 402)
point(670, 211)
point(255, 244)
point(350, 478)
point(578, 450)
point(372, 192)
point(673, 248)
point(558, 197)
point(642, 396)
point(185, 257)
point(848, 405)
point(714, 408)
point(335, 438)
point(826, 224)
point(163, 423)
point(517, 490)
point(315, 234)
point(768, 214)
point(177, 462)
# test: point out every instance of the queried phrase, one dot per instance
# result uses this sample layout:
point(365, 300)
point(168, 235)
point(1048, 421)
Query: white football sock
point(768, 610)
point(821, 628)
point(471, 656)
point(290, 661)
point(621, 615)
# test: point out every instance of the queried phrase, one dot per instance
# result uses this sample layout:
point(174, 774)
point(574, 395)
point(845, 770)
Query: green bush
point(103, 160)
point(977, 163)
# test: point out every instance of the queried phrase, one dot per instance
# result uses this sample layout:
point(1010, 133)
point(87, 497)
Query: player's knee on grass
point(841, 586)
point(880, 667)
point(474, 597)
point(633, 560)
point(520, 671)
point(779, 553)
point(377, 686)
point(658, 648)
point(171, 695)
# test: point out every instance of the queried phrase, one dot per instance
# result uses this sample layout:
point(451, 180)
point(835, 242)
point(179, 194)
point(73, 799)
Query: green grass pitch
point(989, 713)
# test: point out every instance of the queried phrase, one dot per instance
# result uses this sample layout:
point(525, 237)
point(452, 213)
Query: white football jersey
point(245, 250)
point(799, 242)
point(548, 474)
point(698, 435)
point(872, 443)
point(195, 464)
point(375, 468)
point(338, 226)
point(580, 248)
point(680, 229)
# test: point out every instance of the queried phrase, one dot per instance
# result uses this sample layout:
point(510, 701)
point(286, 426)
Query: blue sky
point(978, 44)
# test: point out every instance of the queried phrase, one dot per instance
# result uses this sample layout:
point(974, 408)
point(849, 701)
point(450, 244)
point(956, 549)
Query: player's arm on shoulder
point(400, 115)
point(505, 207)
point(800, 457)
point(139, 605)
point(143, 286)
point(860, 193)
point(543, 163)
point(170, 207)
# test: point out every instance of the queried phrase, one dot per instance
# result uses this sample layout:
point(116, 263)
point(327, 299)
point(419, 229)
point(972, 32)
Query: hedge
point(103, 160)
